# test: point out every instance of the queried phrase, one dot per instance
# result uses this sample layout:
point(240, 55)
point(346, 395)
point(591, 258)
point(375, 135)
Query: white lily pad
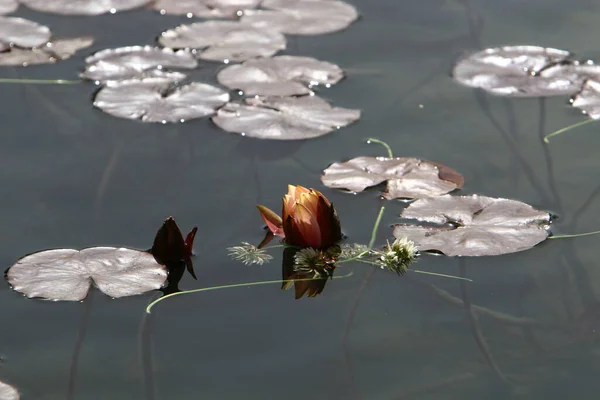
point(159, 100)
point(284, 118)
point(474, 225)
point(407, 178)
point(136, 62)
point(8, 6)
point(224, 40)
point(588, 99)
point(83, 7)
point(8, 392)
point(306, 17)
point(51, 52)
point(279, 76)
point(518, 71)
point(22, 32)
point(67, 274)
point(205, 8)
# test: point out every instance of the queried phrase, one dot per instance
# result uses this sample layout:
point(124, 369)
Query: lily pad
point(279, 76)
point(51, 52)
point(22, 32)
point(136, 62)
point(474, 225)
point(67, 274)
point(224, 40)
point(407, 178)
point(284, 118)
point(159, 100)
point(518, 71)
point(205, 8)
point(8, 6)
point(83, 7)
point(8, 392)
point(588, 99)
point(306, 17)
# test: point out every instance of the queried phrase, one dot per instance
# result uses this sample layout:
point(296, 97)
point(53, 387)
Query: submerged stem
point(418, 271)
point(384, 144)
point(574, 235)
point(236, 285)
point(567, 128)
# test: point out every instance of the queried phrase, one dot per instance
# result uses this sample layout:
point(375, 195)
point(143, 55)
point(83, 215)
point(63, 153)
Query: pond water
point(74, 177)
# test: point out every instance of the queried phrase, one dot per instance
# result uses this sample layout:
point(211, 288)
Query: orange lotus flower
point(308, 219)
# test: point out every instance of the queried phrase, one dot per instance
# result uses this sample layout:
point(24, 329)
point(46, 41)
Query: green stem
point(384, 144)
point(574, 235)
point(568, 128)
point(441, 275)
point(39, 81)
point(236, 285)
point(376, 227)
point(371, 242)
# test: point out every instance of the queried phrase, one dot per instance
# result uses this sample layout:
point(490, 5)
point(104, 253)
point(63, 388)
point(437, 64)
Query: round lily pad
point(67, 274)
point(407, 178)
point(306, 17)
point(283, 118)
point(224, 40)
point(8, 6)
point(7, 392)
point(205, 8)
point(83, 7)
point(136, 62)
point(279, 76)
point(22, 32)
point(159, 100)
point(473, 225)
point(51, 52)
point(518, 71)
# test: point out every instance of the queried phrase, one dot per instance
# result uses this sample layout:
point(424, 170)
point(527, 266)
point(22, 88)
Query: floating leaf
point(474, 225)
point(279, 76)
point(588, 99)
point(519, 71)
point(22, 32)
point(284, 118)
point(8, 392)
point(159, 100)
point(306, 17)
point(51, 52)
point(224, 40)
point(407, 178)
point(66, 274)
point(83, 7)
point(205, 8)
point(8, 6)
point(136, 62)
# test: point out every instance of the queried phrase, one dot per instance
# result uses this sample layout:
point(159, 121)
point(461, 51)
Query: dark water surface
point(71, 176)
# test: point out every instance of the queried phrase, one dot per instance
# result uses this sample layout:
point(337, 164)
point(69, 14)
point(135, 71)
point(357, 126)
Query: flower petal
point(273, 221)
point(329, 223)
point(307, 225)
